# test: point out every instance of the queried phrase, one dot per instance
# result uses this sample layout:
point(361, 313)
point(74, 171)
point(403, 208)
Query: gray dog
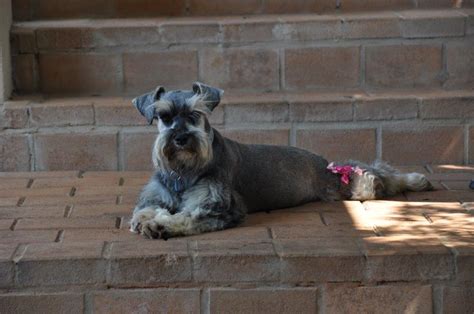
point(206, 182)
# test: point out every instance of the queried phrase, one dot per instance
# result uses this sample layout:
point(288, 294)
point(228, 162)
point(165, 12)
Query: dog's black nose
point(181, 139)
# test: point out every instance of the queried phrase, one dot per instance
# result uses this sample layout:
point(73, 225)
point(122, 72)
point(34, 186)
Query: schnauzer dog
point(206, 182)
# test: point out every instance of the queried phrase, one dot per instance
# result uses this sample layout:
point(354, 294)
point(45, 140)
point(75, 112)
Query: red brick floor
point(64, 236)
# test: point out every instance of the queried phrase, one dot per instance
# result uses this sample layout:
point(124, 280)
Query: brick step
point(378, 50)
point(104, 133)
point(52, 9)
point(69, 251)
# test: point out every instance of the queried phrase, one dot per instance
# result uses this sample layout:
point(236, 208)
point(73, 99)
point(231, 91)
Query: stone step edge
point(40, 112)
point(87, 33)
point(47, 10)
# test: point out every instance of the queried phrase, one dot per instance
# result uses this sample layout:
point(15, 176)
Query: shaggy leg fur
point(207, 206)
point(381, 180)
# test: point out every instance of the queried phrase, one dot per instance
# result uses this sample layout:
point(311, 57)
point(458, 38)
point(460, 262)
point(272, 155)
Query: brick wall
point(5, 58)
point(109, 133)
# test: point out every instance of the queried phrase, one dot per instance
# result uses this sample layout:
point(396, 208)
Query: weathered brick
point(252, 29)
point(6, 265)
point(189, 32)
point(141, 8)
point(240, 69)
point(325, 67)
point(149, 262)
point(471, 145)
point(66, 200)
point(120, 32)
point(60, 38)
point(425, 4)
point(283, 218)
point(297, 6)
point(127, 301)
point(51, 264)
point(21, 10)
point(256, 112)
point(420, 24)
point(393, 258)
point(386, 108)
point(42, 302)
point(308, 28)
point(30, 236)
point(14, 152)
point(61, 113)
point(303, 232)
point(358, 144)
point(80, 73)
point(397, 298)
point(437, 145)
point(110, 235)
point(32, 212)
point(62, 151)
point(447, 107)
point(268, 136)
point(84, 191)
point(320, 109)
point(14, 183)
point(23, 40)
point(117, 111)
point(66, 223)
point(14, 115)
point(381, 25)
point(470, 20)
point(234, 234)
point(406, 66)
point(171, 69)
point(225, 7)
point(9, 201)
point(54, 9)
point(98, 210)
point(460, 65)
point(25, 73)
point(364, 5)
point(137, 149)
point(320, 260)
point(39, 174)
point(458, 299)
point(266, 300)
point(235, 261)
point(58, 191)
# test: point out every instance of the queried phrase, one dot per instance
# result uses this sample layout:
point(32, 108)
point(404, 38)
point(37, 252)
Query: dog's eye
point(166, 118)
point(194, 117)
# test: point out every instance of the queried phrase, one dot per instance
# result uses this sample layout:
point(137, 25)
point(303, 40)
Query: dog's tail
point(379, 180)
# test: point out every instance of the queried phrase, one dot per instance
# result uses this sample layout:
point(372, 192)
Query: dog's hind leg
point(380, 180)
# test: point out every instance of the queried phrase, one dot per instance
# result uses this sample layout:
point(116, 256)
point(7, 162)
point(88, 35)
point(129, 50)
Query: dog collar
point(177, 183)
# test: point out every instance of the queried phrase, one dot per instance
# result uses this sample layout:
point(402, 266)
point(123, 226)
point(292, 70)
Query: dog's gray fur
point(210, 182)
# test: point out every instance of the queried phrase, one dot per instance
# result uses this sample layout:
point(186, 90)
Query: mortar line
point(205, 300)
point(362, 65)
point(281, 69)
point(378, 142)
point(120, 153)
point(466, 144)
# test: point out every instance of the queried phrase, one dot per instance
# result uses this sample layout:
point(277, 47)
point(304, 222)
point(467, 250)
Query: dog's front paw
point(140, 217)
point(152, 230)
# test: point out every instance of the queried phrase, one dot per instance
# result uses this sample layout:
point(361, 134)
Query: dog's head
point(184, 141)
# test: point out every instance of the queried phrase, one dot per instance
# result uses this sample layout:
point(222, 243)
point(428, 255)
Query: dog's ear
point(211, 96)
point(145, 103)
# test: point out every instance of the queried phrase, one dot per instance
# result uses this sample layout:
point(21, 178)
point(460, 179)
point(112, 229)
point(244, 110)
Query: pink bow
point(345, 171)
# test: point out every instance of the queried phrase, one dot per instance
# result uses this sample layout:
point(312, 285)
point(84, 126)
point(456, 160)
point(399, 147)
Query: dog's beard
point(190, 159)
